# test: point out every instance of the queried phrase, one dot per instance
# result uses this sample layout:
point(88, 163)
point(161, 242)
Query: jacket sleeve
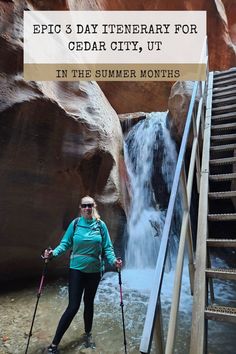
point(107, 247)
point(66, 241)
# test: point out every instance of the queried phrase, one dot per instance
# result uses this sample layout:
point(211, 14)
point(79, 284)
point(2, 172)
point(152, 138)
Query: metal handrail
point(185, 231)
point(198, 332)
point(146, 340)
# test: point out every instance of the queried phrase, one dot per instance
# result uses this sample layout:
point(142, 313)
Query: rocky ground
point(16, 312)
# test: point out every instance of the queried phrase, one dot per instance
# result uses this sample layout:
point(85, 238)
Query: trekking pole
point(122, 308)
point(38, 297)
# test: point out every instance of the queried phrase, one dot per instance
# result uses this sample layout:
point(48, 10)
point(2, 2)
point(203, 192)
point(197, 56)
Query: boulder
point(178, 105)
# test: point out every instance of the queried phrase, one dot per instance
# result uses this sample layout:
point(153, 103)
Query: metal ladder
point(217, 214)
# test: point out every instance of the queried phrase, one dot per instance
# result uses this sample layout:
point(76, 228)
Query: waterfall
point(144, 143)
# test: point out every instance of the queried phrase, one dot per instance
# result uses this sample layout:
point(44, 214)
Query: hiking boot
point(88, 341)
point(53, 349)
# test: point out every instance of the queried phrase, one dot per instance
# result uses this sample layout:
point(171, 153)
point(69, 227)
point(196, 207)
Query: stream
point(16, 311)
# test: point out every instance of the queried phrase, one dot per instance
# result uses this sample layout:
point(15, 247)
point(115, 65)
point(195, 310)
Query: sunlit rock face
point(230, 9)
point(59, 142)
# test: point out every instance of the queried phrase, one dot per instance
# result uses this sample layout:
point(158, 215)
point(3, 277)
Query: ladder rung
point(222, 217)
point(221, 313)
point(229, 274)
point(224, 93)
point(224, 161)
point(221, 242)
point(230, 81)
point(226, 73)
point(227, 147)
point(222, 195)
point(230, 88)
point(225, 109)
point(223, 126)
point(223, 137)
point(224, 116)
point(223, 101)
point(223, 177)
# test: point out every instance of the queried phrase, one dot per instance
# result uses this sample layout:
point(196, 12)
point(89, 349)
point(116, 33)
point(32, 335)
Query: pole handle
point(46, 260)
point(118, 268)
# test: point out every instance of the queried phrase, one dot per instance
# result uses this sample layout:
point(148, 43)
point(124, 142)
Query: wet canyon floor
point(17, 307)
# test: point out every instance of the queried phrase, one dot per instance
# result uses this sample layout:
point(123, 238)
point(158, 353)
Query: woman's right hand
point(48, 253)
point(118, 263)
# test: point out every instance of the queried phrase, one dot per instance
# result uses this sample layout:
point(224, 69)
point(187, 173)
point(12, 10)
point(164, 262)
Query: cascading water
point(147, 140)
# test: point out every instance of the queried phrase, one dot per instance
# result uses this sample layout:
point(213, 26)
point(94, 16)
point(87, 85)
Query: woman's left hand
point(118, 263)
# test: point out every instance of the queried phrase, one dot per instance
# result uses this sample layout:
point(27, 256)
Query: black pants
point(79, 283)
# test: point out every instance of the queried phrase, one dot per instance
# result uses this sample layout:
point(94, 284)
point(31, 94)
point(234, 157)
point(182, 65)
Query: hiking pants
point(79, 283)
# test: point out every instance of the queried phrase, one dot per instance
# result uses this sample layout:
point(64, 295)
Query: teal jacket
point(89, 241)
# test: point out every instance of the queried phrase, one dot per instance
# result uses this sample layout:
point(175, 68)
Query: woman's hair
point(94, 212)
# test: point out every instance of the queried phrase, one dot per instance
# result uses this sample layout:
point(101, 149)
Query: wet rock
point(5, 338)
point(128, 120)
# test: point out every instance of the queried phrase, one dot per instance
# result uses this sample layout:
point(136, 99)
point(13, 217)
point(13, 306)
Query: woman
point(88, 238)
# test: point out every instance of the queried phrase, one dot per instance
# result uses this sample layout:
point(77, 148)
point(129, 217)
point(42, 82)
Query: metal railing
point(198, 332)
point(195, 117)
